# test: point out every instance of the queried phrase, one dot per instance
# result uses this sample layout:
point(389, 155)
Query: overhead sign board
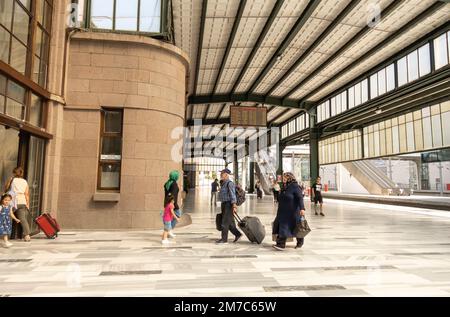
point(248, 116)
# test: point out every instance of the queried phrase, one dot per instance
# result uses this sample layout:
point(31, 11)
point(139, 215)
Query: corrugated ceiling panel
point(418, 31)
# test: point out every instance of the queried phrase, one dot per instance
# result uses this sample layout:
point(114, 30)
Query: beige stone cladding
point(145, 77)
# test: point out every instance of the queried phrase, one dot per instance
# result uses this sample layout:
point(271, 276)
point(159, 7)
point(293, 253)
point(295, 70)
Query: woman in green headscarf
point(171, 187)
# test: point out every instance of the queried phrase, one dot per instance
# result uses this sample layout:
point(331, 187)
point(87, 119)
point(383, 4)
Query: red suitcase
point(48, 225)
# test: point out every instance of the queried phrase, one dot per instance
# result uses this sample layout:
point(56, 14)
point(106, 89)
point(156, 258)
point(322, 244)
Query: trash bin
point(326, 187)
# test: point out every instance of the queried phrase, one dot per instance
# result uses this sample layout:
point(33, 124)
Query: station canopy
point(287, 55)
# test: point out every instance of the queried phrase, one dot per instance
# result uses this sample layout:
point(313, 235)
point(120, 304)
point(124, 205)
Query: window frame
point(162, 26)
point(101, 162)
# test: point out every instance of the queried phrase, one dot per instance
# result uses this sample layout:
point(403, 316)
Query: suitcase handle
point(236, 216)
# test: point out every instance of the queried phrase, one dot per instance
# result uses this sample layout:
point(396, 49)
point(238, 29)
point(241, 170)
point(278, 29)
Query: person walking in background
point(171, 187)
point(317, 195)
point(290, 210)
point(258, 190)
point(21, 196)
point(6, 214)
point(214, 190)
point(276, 191)
point(227, 196)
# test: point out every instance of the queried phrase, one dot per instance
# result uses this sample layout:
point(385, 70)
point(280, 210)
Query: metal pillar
point(235, 167)
point(314, 135)
point(251, 188)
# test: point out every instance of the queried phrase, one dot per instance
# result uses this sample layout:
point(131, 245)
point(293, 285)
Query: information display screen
point(248, 116)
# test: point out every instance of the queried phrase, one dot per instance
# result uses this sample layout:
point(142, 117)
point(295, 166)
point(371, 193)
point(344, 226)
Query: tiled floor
point(356, 250)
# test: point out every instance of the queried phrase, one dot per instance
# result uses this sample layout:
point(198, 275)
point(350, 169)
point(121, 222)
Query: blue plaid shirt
point(228, 192)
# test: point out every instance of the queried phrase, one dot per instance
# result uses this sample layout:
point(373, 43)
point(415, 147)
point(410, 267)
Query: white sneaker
point(172, 235)
point(7, 244)
point(165, 241)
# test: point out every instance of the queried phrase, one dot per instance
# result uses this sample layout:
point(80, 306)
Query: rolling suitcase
point(48, 225)
point(252, 228)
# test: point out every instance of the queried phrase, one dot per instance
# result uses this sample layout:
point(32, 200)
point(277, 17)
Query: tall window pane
point(102, 14)
point(6, 13)
point(344, 101)
point(364, 90)
point(357, 94)
point(382, 82)
point(18, 56)
point(338, 104)
point(427, 133)
point(5, 38)
point(402, 72)
point(21, 24)
point(126, 15)
point(333, 106)
point(36, 111)
point(446, 130)
point(351, 97)
point(424, 60)
point(437, 130)
point(413, 66)
point(410, 136)
point(373, 86)
point(441, 51)
point(395, 140)
point(150, 20)
point(390, 77)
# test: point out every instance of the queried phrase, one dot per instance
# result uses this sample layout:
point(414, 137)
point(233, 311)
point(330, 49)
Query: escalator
point(374, 180)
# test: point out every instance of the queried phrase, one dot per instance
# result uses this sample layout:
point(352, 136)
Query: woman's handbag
point(219, 222)
point(302, 229)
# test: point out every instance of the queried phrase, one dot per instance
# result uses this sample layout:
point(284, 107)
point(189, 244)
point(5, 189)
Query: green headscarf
point(173, 177)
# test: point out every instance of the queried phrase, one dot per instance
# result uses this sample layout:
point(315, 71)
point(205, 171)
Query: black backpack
point(240, 195)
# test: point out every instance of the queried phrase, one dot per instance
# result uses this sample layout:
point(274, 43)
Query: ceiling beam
point(394, 36)
point(262, 36)
point(236, 23)
point(391, 8)
point(200, 43)
point(301, 21)
point(329, 30)
point(230, 98)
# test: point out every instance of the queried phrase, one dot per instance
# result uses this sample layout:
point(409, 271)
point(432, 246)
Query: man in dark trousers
point(227, 197)
point(317, 192)
point(214, 190)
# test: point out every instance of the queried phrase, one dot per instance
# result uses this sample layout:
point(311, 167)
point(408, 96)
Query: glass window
point(102, 14)
point(327, 110)
point(413, 66)
point(382, 82)
point(333, 106)
point(5, 39)
point(6, 13)
point(150, 17)
point(364, 90)
point(351, 97)
point(21, 24)
point(389, 141)
point(338, 104)
point(427, 133)
point(357, 94)
point(126, 15)
point(390, 77)
point(376, 143)
point(441, 51)
point(402, 72)
point(410, 136)
point(424, 60)
point(36, 111)
point(437, 130)
point(18, 56)
point(395, 140)
point(373, 86)
point(111, 149)
point(344, 101)
point(418, 136)
point(446, 130)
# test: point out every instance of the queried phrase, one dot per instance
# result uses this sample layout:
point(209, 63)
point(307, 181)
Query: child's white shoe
point(172, 235)
point(164, 242)
point(7, 244)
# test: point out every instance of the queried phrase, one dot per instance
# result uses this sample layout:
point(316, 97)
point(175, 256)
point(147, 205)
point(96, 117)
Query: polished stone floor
point(358, 249)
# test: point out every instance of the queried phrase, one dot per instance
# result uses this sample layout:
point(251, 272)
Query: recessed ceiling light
point(378, 111)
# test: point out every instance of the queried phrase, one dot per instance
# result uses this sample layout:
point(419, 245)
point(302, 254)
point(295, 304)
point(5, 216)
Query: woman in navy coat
point(290, 209)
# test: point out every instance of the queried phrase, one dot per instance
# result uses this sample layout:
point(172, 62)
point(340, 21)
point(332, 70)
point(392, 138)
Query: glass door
point(35, 169)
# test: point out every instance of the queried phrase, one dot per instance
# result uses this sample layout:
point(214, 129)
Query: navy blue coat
point(290, 202)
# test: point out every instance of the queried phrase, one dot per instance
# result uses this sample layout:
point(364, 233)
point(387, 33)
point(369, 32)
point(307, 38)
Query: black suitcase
point(252, 228)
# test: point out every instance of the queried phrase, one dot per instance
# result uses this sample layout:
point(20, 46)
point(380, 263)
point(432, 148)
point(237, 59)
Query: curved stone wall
point(145, 77)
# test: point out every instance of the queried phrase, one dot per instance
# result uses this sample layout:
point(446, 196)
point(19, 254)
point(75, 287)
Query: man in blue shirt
point(227, 196)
